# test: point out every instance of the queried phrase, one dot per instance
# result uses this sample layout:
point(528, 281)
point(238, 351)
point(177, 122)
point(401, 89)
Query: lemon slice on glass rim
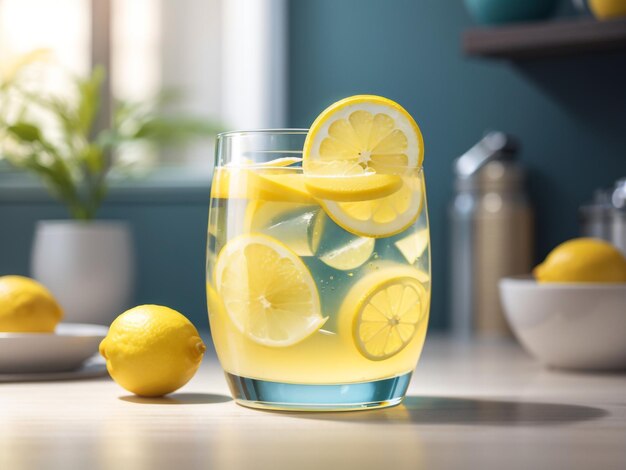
point(267, 291)
point(363, 138)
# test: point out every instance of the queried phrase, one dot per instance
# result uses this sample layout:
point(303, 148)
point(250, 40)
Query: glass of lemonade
point(318, 269)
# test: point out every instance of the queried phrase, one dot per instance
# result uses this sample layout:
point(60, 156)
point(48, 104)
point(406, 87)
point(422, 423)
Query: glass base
point(263, 394)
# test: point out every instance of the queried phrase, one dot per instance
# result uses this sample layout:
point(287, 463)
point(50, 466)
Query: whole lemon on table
point(26, 306)
point(583, 260)
point(152, 350)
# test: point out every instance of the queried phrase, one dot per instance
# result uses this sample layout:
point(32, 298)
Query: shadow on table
point(178, 399)
point(467, 411)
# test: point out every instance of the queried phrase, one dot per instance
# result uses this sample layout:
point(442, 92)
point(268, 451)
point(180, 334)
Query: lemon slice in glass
point(287, 186)
point(279, 162)
point(353, 188)
point(259, 184)
point(267, 291)
point(384, 311)
point(365, 137)
point(382, 217)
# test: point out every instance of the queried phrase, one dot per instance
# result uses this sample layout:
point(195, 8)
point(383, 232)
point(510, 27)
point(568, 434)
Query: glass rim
point(270, 131)
point(225, 140)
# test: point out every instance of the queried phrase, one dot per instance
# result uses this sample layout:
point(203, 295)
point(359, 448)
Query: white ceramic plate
point(64, 350)
point(92, 367)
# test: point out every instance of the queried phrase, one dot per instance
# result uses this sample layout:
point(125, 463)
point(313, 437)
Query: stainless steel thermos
point(491, 233)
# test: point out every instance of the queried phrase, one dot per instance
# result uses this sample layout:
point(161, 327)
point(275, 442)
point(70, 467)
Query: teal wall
point(569, 113)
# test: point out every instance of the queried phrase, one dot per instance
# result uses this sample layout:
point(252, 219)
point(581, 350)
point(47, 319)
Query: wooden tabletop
point(470, 406)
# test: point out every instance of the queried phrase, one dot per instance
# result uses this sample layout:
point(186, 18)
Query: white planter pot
point(88, 266)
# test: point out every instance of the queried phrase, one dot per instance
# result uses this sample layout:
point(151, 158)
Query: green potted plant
point(86, 263)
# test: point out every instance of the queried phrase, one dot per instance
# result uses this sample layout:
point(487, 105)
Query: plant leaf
point(25, 131)
point(61, 111)
point(93, 157)
point(89, 100)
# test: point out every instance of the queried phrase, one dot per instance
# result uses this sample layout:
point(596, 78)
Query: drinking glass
point(306, 312)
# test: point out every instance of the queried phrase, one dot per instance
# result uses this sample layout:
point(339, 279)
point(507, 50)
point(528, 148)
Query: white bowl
point(64, 350)
point(574, 326)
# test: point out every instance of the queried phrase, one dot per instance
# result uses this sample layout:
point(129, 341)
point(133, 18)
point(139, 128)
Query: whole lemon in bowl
point(607, 9)
point(27, 306)
point(152, 350)
point(583, 260)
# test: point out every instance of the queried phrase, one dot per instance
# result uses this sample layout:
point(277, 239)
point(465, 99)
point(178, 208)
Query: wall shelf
point(545, 39)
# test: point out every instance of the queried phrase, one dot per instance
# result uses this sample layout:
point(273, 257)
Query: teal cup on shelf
point(510, 11)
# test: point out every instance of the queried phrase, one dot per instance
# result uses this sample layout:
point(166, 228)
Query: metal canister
point(491, 233)
point(605, 216)
point(618, 223)
point(595, 217)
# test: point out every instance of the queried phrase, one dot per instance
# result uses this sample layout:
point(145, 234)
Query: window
point(61, 26)
point(226, 57)
point(135, 43)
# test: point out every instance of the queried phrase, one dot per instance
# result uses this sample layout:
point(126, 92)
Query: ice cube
point(289, 223)
point(336, 247)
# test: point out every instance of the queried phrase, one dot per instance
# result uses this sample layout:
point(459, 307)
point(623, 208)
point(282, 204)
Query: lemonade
point(318, 263)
